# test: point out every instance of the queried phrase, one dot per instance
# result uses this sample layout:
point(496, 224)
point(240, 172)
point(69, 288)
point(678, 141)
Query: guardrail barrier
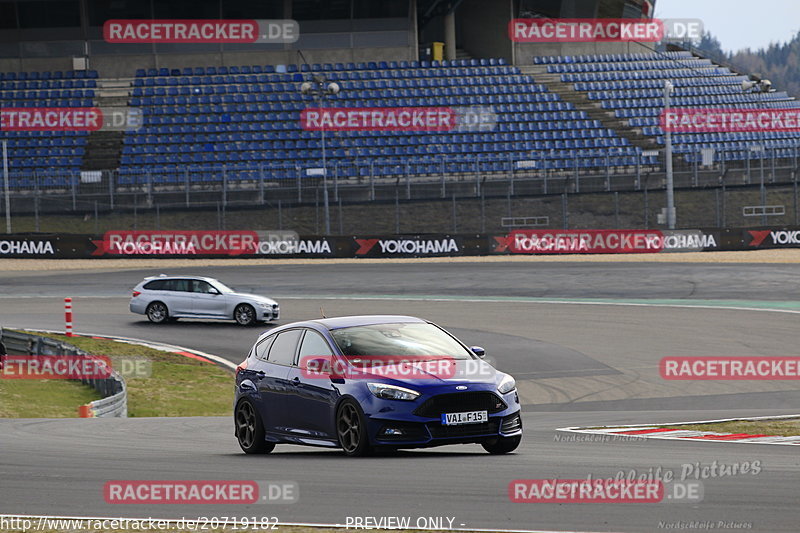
point(114, 401)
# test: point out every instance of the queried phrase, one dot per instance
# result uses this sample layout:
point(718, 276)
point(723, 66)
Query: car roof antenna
point(322, 312)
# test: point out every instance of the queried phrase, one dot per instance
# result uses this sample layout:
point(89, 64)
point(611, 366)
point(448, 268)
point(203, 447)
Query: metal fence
point(114, 401)
point(385, 180)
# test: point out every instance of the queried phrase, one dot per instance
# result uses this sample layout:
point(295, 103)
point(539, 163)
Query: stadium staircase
point(104, 148)
point(592, 108)
point(463, 55)
point(631, 87)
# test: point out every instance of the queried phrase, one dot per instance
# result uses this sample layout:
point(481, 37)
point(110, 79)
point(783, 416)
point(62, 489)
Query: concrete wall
point(484, 28)
point(123, 66)
point(118, 66)
point(336, 41)
point(704, 208)
point(524, 52)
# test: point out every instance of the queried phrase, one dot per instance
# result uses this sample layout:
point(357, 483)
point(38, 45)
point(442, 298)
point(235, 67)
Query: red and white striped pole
point(68, 316)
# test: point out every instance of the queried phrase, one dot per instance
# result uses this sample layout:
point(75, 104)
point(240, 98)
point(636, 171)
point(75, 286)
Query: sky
point(739, 24)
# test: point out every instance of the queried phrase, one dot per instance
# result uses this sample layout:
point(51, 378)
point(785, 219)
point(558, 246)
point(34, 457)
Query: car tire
point(157, 313)
point(244, 315)
point(502, 445)
point(250, 429)
point(351, 429)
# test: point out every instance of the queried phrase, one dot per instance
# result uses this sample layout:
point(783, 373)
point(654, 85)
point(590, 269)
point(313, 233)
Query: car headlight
point(392, 392)
point(507, 385)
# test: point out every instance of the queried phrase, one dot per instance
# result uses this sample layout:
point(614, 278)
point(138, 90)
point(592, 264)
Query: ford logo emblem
point(461, 387)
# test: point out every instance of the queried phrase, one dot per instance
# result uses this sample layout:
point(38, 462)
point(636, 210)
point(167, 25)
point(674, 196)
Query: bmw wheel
point(157, 313)
point(244, 315)
point(502, 445)
point(250, 429)
point(352, 430)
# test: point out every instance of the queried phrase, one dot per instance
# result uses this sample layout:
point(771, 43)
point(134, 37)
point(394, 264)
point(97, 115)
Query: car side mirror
point(318, 366)
point(477, 350)
point(212, 290)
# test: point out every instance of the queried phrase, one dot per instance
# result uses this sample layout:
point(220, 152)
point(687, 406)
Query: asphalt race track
point(590, 360)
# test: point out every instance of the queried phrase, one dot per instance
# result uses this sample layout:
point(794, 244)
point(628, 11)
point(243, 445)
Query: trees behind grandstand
point(779, 63)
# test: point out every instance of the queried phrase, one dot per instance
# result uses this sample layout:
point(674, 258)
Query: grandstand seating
point(632, 85)
point(45, 158)
point(248, 119)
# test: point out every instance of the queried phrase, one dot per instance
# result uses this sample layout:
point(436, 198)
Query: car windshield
point(410, 339)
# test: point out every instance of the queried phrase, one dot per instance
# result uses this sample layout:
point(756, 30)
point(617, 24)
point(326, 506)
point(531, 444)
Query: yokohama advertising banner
point(416, 245)
point(771, 238)
point(605, 241)
point(241, 243)
point(212, 244)
point(43, 246)
point(288, 244)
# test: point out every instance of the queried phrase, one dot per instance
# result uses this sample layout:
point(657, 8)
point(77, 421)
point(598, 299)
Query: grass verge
point(176, 386)
point(43, 398)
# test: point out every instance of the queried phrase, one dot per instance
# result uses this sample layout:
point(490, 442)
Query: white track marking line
point(685, 435)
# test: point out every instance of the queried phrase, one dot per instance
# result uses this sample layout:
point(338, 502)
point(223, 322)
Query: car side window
point(180, 285)
point(262, 348)
point(314, 345)
point(155, 285)
point(283, 348)
point(201, 286)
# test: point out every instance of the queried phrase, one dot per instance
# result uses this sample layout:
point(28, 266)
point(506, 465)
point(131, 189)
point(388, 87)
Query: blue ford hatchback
point(366, 382)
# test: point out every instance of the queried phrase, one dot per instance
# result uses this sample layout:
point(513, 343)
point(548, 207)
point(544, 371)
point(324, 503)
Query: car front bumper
point(399, 424)
point(433, 433)
point(266, 314)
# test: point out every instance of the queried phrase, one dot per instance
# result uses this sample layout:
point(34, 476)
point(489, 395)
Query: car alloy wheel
point(249, 430)
point(244, 315)
point(157, 312)
point(352, 430)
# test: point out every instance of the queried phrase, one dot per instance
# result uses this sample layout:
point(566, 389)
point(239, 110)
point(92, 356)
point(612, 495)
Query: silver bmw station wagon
point(167, 298)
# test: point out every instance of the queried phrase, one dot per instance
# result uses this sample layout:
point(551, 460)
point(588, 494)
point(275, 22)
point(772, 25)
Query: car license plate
point(469, 417)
